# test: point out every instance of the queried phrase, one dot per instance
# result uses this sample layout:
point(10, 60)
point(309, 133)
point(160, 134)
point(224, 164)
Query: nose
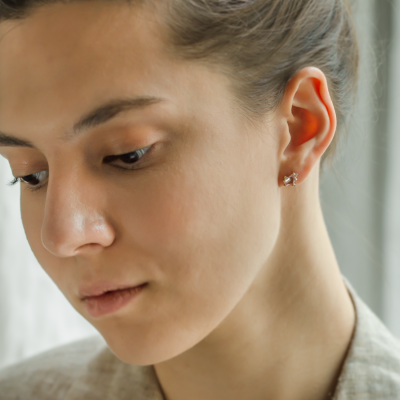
point(75, 219)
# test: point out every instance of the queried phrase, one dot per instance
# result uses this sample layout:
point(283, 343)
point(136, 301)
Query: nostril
point(89, 248)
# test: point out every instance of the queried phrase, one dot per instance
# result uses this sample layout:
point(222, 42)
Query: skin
point(244, 291)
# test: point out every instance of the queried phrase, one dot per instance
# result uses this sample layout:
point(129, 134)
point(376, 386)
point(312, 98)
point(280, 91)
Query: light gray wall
point(34, 315)
point(391, 218)
point(353, 193)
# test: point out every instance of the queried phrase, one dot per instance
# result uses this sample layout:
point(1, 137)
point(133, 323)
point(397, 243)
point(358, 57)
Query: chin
point(147, 348)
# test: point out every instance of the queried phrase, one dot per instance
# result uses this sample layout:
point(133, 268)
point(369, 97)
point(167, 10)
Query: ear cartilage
point(290, 180)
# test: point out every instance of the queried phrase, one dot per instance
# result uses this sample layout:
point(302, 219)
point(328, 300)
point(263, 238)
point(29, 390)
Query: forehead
point(69, 54)
point(64, 43)
point(64, 59)
point(61, 42)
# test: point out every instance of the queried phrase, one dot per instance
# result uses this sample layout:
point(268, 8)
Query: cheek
point(209, 231)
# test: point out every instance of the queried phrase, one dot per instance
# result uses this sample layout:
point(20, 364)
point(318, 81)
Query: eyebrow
point(94, 118)
point(11, 141)
point(108, 111)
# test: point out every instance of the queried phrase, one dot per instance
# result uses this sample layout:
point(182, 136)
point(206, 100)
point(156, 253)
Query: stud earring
point(290, 180)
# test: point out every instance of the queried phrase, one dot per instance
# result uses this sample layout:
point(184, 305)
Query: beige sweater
point(88, 370)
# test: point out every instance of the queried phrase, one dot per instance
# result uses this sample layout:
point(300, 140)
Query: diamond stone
point(290, 180)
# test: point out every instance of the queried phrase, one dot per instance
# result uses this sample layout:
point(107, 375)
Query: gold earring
point(290, 180)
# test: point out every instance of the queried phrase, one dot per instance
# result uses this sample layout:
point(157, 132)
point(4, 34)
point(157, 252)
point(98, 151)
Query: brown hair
point(260, 44)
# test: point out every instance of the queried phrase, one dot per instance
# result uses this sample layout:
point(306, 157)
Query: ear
point(309, 120)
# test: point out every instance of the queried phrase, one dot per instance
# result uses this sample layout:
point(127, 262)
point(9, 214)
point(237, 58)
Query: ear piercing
point(290, 180)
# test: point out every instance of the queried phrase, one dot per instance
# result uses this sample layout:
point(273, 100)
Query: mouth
point(109, 302)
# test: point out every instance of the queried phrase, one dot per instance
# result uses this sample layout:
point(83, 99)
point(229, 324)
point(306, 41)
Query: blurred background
point(360, 197)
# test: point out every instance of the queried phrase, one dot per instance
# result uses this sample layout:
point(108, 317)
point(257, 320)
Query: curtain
point(360, 197)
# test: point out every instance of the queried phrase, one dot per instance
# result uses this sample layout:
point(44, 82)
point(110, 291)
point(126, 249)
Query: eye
point(128, 158)
point(33, 181)
point(126, 161)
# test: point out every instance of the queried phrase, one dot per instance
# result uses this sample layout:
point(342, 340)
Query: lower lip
point(110, 302)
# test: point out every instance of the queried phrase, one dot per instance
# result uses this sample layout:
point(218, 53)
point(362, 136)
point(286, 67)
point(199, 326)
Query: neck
point(288, 336)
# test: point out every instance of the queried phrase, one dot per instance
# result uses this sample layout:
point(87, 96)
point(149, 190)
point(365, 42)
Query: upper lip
point(99, 288)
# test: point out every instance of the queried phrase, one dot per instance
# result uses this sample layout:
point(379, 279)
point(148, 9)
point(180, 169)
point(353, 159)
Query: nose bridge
point(74, 216)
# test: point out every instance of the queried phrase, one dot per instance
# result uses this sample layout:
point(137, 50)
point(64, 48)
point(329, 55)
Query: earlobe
point(310, 119)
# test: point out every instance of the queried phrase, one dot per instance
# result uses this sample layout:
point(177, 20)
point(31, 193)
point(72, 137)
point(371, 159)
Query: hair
point(260, 44)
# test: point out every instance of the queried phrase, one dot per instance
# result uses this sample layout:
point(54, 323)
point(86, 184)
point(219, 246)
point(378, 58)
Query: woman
point(169, 155)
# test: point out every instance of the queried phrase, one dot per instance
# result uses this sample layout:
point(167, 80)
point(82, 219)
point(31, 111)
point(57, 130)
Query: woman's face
point(193, 211)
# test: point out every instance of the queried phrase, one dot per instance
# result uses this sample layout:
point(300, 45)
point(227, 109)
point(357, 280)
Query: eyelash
point(34, 188)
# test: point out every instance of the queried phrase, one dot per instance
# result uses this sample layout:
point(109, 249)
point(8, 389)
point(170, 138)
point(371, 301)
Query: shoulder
point(48, 374)
point(86, 369)
point(372, 368)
